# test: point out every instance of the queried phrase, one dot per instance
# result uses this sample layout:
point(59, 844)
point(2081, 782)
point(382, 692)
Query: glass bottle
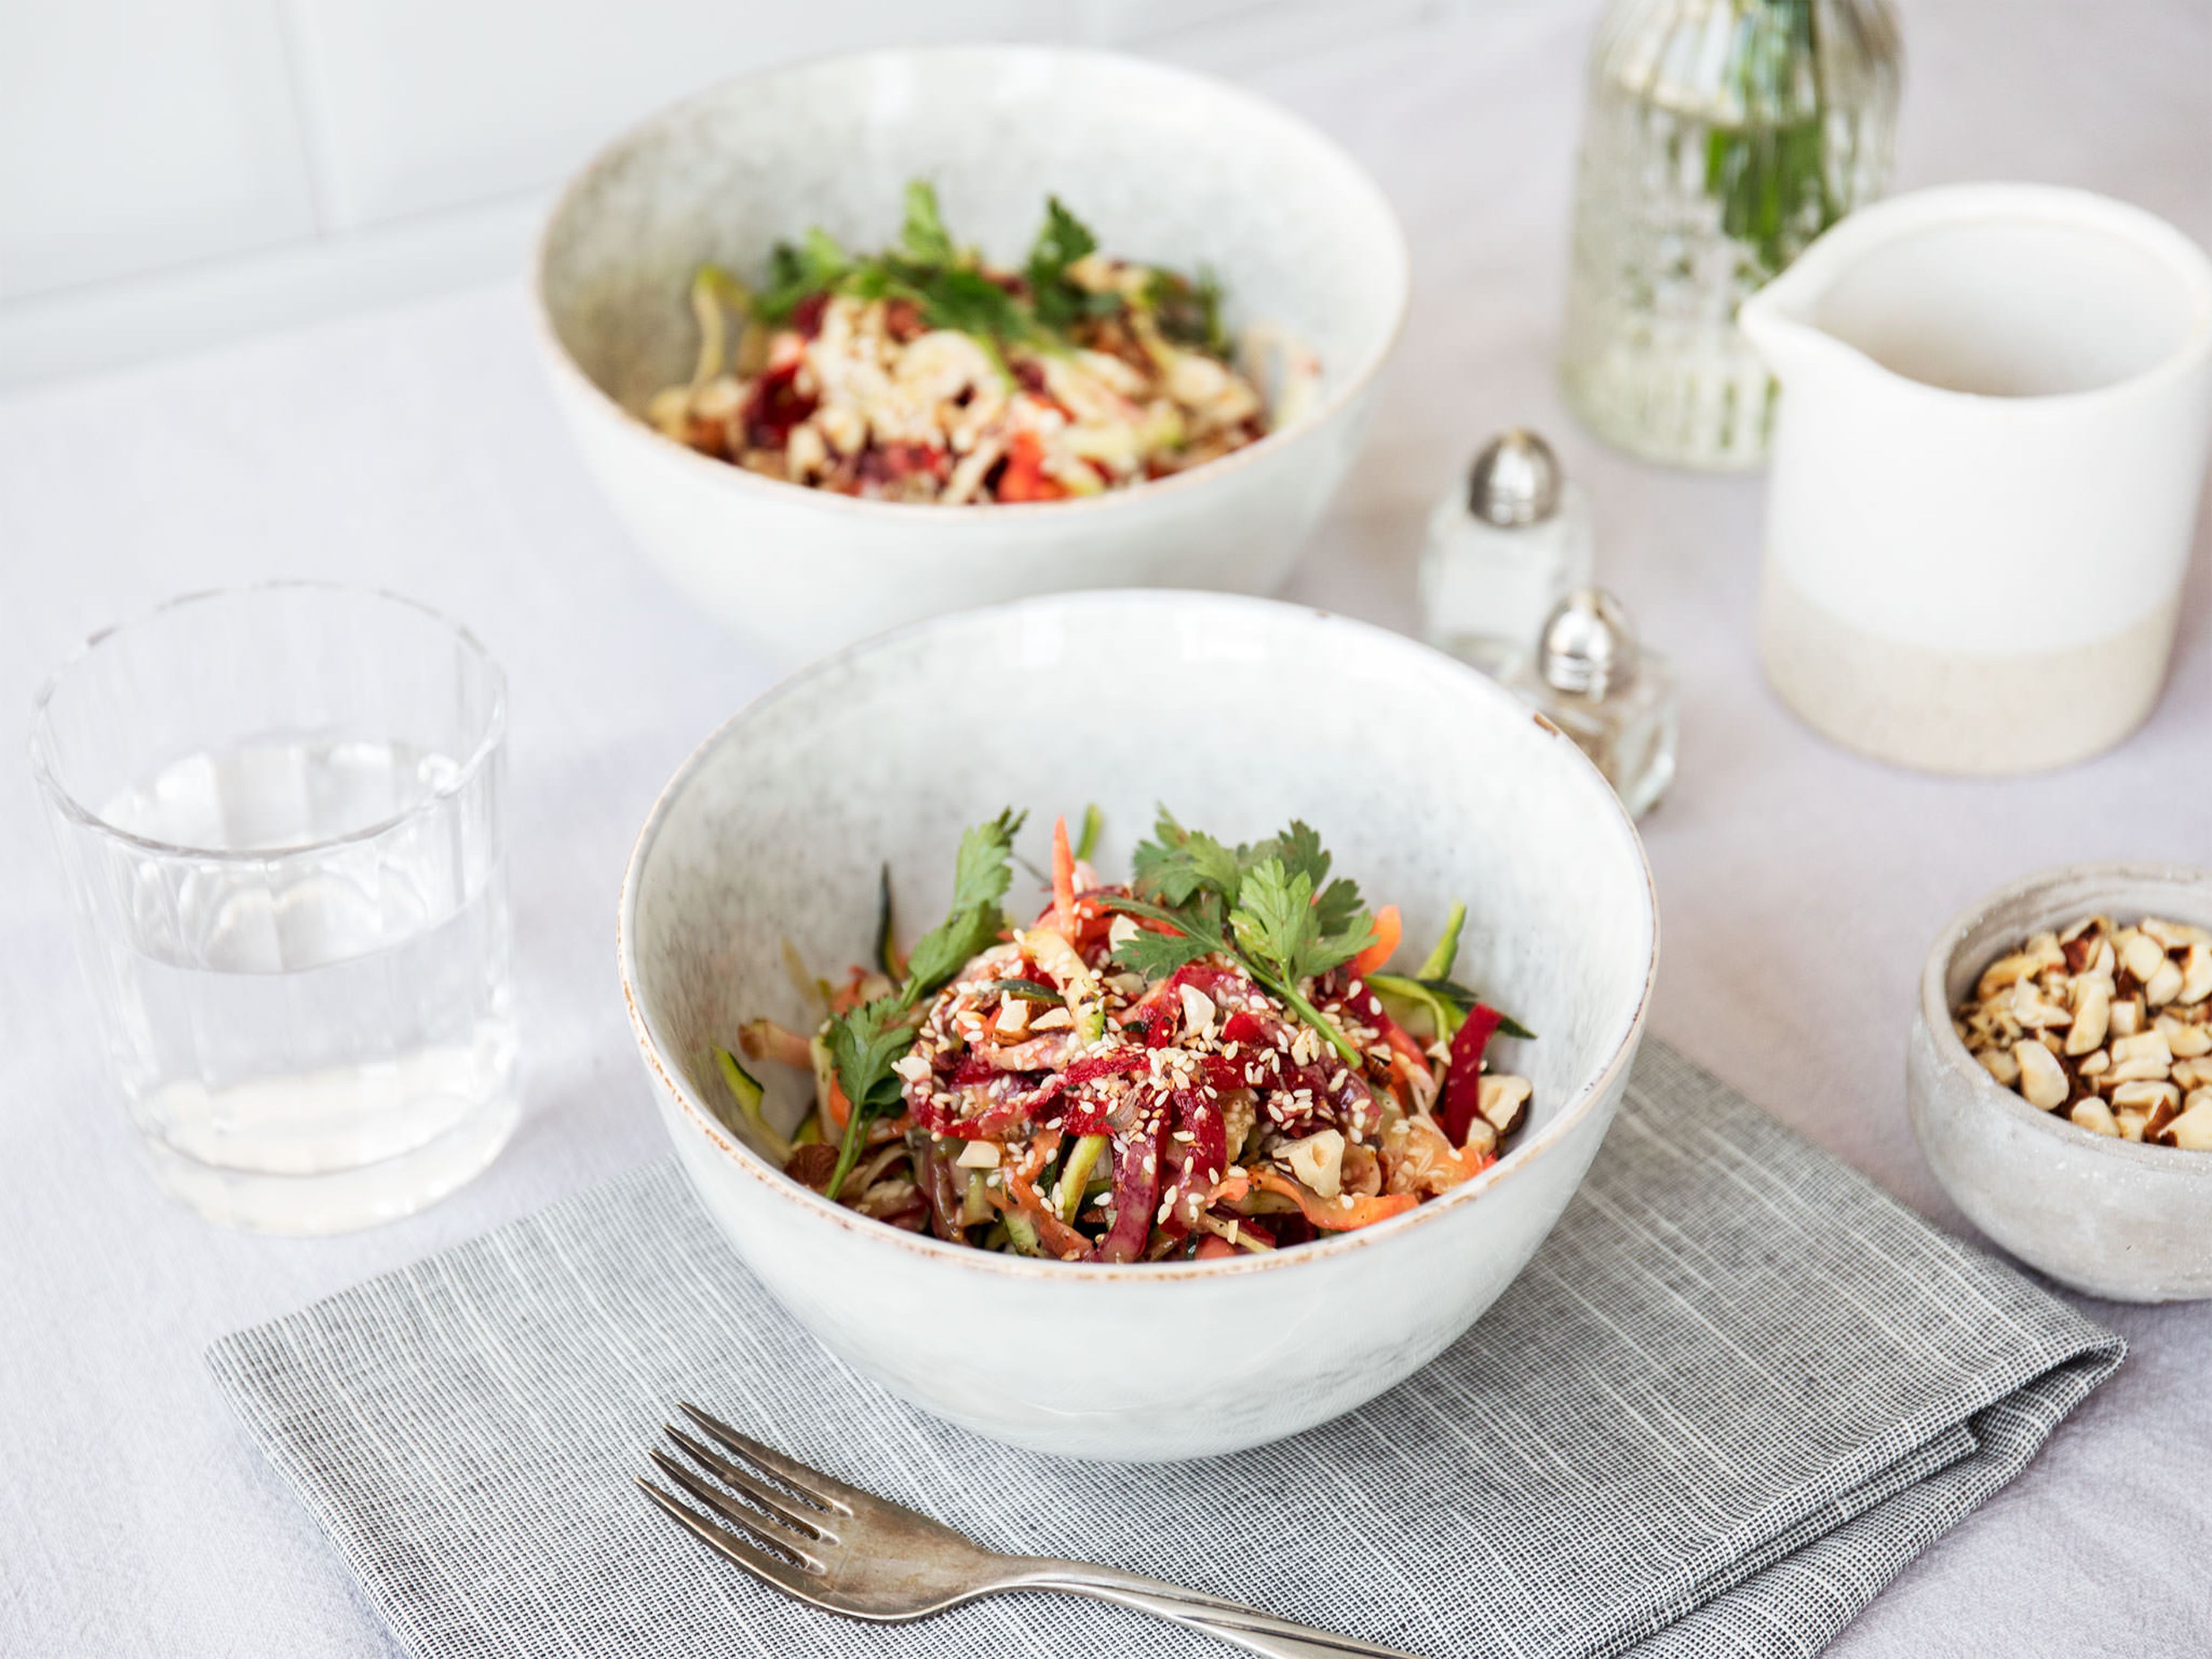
point(1595, 681)
point(1503, 547)
point(1721, 137)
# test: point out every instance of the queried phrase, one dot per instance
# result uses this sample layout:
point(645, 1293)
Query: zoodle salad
point(924, 374)
point(1209, 1061)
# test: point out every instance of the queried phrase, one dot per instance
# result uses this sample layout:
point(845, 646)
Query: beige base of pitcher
point(1968, 714)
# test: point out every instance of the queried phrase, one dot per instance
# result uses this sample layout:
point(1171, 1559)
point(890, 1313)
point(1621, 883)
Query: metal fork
point(838, 1547)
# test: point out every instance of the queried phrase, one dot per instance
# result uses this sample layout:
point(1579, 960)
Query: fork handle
point(1246, 1627)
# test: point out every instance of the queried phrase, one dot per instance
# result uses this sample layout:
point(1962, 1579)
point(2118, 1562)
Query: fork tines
point(787, 1517)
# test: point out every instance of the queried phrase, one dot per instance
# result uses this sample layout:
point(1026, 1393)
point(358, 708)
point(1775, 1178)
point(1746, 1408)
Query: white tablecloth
point(1801, 886)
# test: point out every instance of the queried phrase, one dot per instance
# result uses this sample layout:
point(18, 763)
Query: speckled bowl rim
point(1935, 1009)
point(1337, 397)
point(1380, 1234)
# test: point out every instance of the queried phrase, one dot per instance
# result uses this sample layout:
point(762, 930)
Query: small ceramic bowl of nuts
point(2059, 1075)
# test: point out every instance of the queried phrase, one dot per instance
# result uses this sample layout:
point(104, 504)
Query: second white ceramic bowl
point(1166, 166)
point(2113, 1217)
point(1426, 781)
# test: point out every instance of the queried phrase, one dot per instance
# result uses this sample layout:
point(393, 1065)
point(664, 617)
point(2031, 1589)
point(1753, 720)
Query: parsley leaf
point(1278, 926)
point(1189, 313)
point(1198, 933)
point(928, 269)
point(1337, 910)
point(972, 303)
point(1299, 849)
point(865, 1042)
point(862, 1045)
point(793, 273)
point(938, 954)
point(980, 880)
point(1061, 241)
point(1181, 863)
point(1275, 929)
point(980, 875)
point(1158, 954)
point(1059, 301)
point(923, 235)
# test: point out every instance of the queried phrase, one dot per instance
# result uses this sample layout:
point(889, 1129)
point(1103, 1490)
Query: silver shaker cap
point(1515, 480)
point(1587, 647)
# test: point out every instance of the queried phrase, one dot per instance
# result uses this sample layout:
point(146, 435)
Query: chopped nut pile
point(2111, 1025)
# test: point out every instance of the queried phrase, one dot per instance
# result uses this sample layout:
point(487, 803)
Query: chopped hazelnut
point(2110, 1025)
point(2093, 1114)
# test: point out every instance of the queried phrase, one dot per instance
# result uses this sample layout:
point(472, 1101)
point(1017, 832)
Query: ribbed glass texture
point(1721, 136)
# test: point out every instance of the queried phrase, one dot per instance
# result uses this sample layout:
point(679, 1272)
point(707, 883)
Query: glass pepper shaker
point(1597, 683)
point(1502, 548)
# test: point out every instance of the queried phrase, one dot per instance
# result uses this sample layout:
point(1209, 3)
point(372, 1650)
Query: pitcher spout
point(1778, 321)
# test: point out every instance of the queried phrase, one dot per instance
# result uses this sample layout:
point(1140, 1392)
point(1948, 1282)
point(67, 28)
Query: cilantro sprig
point(866, 1042)
point(1270, 907)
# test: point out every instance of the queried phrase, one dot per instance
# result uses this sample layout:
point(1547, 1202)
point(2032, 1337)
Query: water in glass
point(315, 1024)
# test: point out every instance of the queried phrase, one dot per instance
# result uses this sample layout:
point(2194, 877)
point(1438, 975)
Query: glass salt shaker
point(1615, 699)
point(1502, 548)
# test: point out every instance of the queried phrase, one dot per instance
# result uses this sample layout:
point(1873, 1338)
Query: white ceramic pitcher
point(1997, 402)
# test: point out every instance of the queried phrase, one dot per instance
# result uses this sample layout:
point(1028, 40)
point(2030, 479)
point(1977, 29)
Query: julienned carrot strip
point(1063, 881)
point(840, 1109)
point(1388, 929)
point(1024, 479)
point(1054, 1234)
point(1043, 1146)
point(1335, 1216)
point(1467, 1164)
point(846, 997)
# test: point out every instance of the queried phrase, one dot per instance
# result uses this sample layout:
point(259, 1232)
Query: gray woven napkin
point(1734, 1394)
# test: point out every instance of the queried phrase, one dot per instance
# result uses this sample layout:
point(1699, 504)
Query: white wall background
point(173, 172)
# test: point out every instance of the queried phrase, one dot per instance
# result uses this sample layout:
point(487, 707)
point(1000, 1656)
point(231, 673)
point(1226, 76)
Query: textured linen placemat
point(1734, 1393)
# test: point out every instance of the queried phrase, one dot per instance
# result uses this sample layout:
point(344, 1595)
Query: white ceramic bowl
point(1164, 164)
point(1426, 781)
point(2113, 1217)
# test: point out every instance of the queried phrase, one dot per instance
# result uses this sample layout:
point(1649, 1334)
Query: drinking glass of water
point(279, 812)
